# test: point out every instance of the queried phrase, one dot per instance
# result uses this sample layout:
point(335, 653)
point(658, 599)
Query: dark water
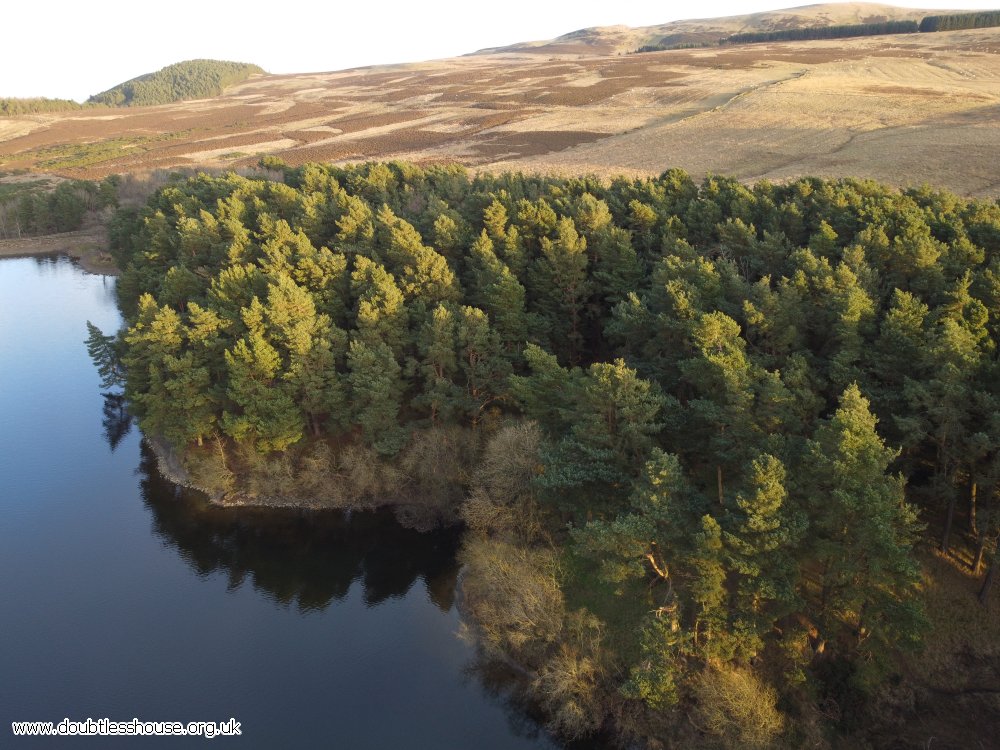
point(122, 596)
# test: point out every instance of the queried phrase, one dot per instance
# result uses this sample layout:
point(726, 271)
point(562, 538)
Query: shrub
point(514, 598)
point(736, 707)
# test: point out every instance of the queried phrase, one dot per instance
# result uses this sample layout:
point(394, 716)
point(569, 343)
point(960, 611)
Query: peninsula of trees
point(695, 431)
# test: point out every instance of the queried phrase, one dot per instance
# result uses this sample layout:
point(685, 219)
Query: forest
point(35, 207)
point(191, 79)
point(705, 439)
point(827, 32)
point(958, 21)
point(954, 22)
point(14, 107)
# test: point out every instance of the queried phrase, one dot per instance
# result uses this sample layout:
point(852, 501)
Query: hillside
point(609, 40)
point(191, 79)
point(904, 109)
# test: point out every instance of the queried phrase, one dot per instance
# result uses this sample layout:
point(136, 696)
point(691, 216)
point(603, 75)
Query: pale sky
point(73, 49)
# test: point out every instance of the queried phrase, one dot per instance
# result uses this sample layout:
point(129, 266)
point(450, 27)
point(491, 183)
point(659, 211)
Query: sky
point(72, 49)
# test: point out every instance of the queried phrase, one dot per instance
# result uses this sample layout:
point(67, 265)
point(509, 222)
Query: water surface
point(123, 596)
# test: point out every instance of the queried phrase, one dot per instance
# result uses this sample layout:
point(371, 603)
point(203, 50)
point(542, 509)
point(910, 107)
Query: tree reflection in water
point(301, 558)
point(309, 559)
point(507, 686)
point(117, 421)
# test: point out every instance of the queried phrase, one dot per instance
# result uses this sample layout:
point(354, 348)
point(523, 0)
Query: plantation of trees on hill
point(192, 79)
point(13, 107)
point(845, 31)
point(826, 32)
point(959, 21)
point(695, 432)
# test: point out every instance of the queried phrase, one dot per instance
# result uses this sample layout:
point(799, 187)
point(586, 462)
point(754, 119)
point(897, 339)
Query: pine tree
point(761, 538)
point(423, 274)
point(547, 393)
point(436, 342)
point(324, 273)
point(155, 334)
point(382, 315)
point(483, 362)
point(376, 384)
point(560, 288)
point(499, 294)
point(264, 414)
point(862, 533)
point(104, 353)
point(193, 411)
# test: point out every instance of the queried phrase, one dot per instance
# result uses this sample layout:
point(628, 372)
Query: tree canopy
point(745, 403)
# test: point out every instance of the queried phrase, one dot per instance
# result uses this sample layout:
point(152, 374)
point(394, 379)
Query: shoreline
point(413, 515)
point(86, 246)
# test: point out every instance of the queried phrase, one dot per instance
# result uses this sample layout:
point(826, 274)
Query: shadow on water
point(303, 559)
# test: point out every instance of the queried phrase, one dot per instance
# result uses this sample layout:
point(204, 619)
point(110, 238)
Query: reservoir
point(123, 596)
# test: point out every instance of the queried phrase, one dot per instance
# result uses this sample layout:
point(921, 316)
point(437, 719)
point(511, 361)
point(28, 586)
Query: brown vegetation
point(904, 109)
point(424, 484)
point(737, 708)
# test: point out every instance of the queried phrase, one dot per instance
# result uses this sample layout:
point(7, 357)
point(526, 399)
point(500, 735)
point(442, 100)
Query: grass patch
point(622, 607)
point(75, 155)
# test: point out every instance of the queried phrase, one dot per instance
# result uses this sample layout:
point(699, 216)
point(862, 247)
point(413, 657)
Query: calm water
point(122, 596)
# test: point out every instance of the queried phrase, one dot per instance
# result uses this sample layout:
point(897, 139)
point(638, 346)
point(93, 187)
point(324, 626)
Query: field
point(904, 109)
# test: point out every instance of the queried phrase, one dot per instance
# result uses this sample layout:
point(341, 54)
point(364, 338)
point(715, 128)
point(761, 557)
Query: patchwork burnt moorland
point(904, 109)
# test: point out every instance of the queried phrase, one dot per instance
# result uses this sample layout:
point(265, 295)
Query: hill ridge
point(618, 38)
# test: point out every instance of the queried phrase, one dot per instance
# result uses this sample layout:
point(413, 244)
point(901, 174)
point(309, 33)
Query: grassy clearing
point(621, 607)
point(76, 155)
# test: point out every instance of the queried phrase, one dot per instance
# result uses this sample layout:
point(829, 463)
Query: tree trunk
point(659, 567)
point(978, 559)
point(973, 487)
point(861, 633)
point(948, 521)
point(824, 588)
point(718, 471)
point(984, 592)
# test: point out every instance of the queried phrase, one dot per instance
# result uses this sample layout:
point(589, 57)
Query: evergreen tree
point(376, 388)
point(861, 534)
point(381, 314)
point(483, 362)
point(104, 353)
point(264, 414)
point(498, 292)
point(423, 274)
point(560, 288)
point(437, 341)
point(761, 540)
